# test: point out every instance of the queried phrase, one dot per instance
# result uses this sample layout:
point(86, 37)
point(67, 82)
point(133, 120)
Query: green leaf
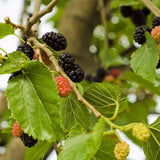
point(145, 59)
point(106, 150)
point(83, 146)
point(80, 88)
point(117, 3)
point(14, 63)
point(38, 151)
point(110, 58)
point(76, 131)
point(5, 30)
point(105, 97)
point(72, 112)
point(33, 98)
point(152, 146)
point(138, 111)
point(142, 82)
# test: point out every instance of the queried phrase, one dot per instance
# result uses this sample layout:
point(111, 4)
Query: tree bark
point(77, 23)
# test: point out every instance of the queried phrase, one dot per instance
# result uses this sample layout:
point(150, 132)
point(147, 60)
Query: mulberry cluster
point(121, 150)
point(27, 140)
point(55, 40)
point(139, 34)
point(103, 75)
point(100, 74)
point(74, 71)
point(137, 16)
point(141, 132)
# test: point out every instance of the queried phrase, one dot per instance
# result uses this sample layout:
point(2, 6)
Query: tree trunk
point(77, 24)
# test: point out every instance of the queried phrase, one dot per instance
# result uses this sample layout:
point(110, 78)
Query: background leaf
point(142, 82)
point(145, 59)
point(15, 62)
point(32, 98)
point(110, 58)
point(104, 97)
point(5, 30)
point(72, 112)
point(83, 146)
point(106, 150)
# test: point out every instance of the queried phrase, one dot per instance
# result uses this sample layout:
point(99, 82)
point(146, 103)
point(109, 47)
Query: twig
point(102, 10)
point(56, 148)
point(37, 6)
point(59, 70)
point(48, 153)
point(23, 11)
point(37, 15)
point(15, 26)
point(155, 10)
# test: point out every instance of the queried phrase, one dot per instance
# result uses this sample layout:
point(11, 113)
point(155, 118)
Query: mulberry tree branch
point(155, 10)
point(59, 70)
point(37, 15)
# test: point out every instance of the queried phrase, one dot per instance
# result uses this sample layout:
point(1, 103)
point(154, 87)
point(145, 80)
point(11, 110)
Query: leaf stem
point(115, 113)
point(155, 138)
point(108, 133)
point(1, 57)
point(4, 51)
point(54, 72)
point(116, 133)
point(121, 128)
point(155, 10)
point(19, 38)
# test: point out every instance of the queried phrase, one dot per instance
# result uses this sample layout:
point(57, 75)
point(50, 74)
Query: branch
point(37, 15)
point(15, 26)
point(23, 11)
point(155, 10)
point(59, 70)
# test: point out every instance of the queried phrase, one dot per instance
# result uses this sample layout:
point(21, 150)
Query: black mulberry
point(76, 74)
point(139, 34)
point(146, 11)
point(26, 49)
point(55, 40)
point(66, 61)
point(15, 74)
point(27, 140)
point(126, 11)
point(138, 17)
point(156, 22)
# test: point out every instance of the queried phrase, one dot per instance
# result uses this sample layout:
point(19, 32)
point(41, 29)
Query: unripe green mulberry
point(121, 150)
point(141, 132)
